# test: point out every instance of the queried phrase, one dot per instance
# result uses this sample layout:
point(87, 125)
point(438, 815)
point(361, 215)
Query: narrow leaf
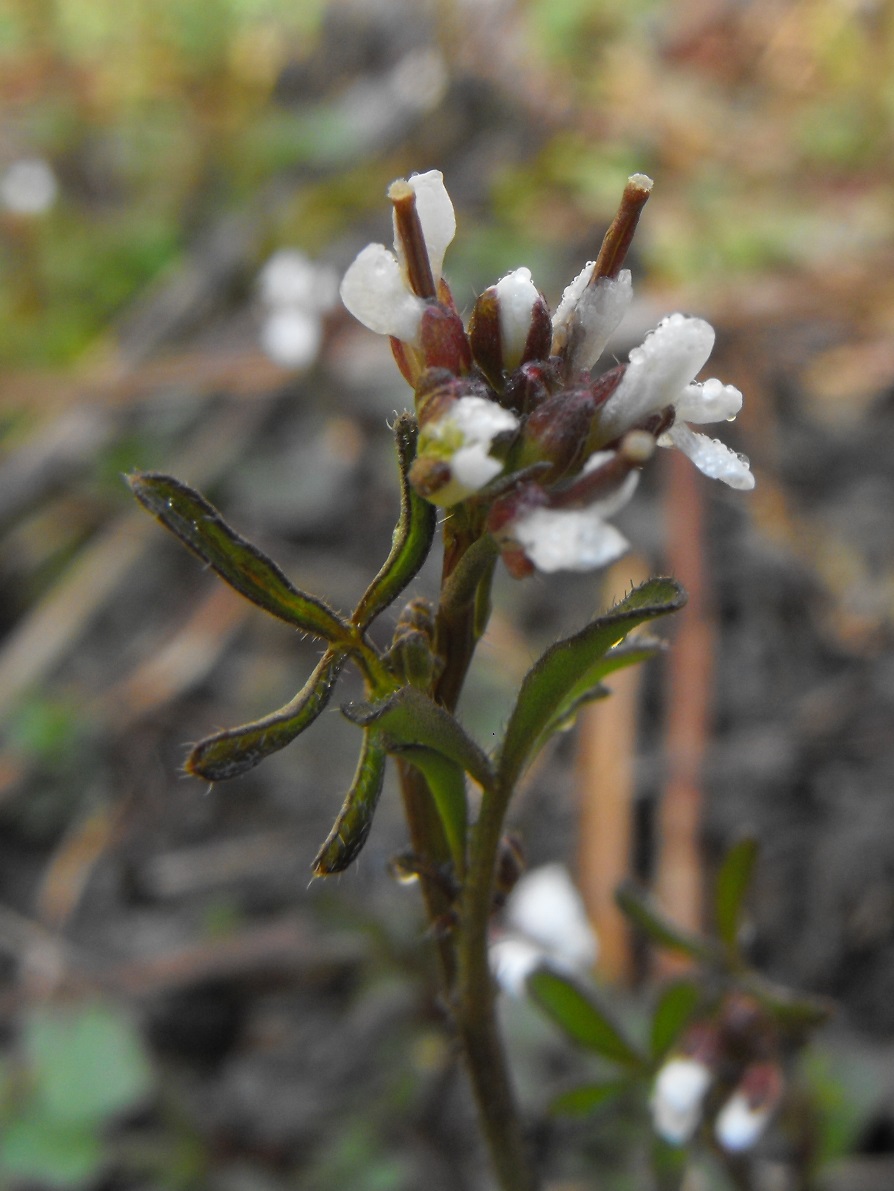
point(589, 1098)
point(581, 1018)
point(447, 783)
point(351, 829)
point(570, 667)
point(732, 885)
point(236, 750)
point(409, 718)
point(673, 1012)
point(795, 1012)
point(590, 687)
point(200, 527)
point(412, 537)
point(643, 913)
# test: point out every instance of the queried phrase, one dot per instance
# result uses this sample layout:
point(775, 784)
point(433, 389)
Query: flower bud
point(510, 325)
point(557, 431)
point(455, 438)
point(443, 340)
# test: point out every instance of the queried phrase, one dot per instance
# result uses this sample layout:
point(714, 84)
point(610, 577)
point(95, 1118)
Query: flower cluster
point(512, 419)
point(723, 1071)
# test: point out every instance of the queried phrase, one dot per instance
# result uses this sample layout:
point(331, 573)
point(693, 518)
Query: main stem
point(471, 991)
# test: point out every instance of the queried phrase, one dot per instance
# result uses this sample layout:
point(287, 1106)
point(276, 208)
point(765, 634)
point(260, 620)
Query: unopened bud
point(744, 1117)
point(510, 325)
point(557, 431)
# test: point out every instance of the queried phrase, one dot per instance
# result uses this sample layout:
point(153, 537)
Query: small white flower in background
point(295, 292)
point(545, 923)
point(462, 437)
point(29, 186)
point(576, 539)
point(375, 288)
point(661, 372)
point(680, 1087)
point(746, 1113)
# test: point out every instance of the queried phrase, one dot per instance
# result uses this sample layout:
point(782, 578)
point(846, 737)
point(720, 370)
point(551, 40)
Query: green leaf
point(730, 889)
point(236, 750)
point(639, 908)
point(588, 1098)
point(446, 781)
point(796, 1013)
point(201, 528)
point(412, 537)
point(673, 1012)
point(590, 688)
point(88, 1063)
point(581, 1018)
point(568, 672)
point(409, 719)
point(351, 829)
point(38, 1150)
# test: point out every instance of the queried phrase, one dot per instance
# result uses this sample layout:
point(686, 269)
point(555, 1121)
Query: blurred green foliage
point(77, 1071)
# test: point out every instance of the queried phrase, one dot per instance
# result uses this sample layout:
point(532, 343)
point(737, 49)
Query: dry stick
point(678, 881)
point(606, 746)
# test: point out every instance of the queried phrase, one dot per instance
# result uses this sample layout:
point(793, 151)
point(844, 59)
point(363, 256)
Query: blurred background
point(181, 186)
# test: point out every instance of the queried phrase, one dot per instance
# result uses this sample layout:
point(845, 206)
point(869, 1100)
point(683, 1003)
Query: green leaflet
point(236, 750)
point(581, 1018)
point(412, 535)
point(447, 783)
point(200, 527)
point(569, 671)
point(676, 1005)
point(639, 909)
point(410, 719)
point(350, 830)
point(589, 1098)
point(730, 889)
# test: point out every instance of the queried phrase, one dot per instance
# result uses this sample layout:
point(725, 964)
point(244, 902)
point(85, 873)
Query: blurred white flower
point(545, 923)
point(29, 186)
point(295, 292)
point(375, 287)
point(680, 1088)
point(744, 1117)
point(660, 373)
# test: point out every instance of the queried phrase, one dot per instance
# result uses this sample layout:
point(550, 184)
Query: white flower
point(546, 908)
point(576, 539)
point(29, 186)
point(291, 278)
point(463, 438)
point(661, 372)
point(516, 297)
point(375, 288)
point(291, 337)
point(740, 1123)
point(588, 314)
point(680, 1088)
point(547, 925)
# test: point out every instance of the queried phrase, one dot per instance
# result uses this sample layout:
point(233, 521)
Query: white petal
point(516, 294)
point(290, 278)
point(512, 960)
point(479, 420)
point(436, 214)
point(472, 468)
point(739, 1124)
point(565, 309)
point(600, 309)
point(547, 908)
point(568, 539)
point(712, 401)
point(659, 370)
point(374, 291)
point(710, 456)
